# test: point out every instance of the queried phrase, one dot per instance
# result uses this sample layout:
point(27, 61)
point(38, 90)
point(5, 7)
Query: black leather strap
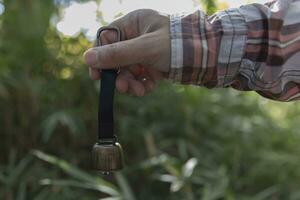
point(106, 97)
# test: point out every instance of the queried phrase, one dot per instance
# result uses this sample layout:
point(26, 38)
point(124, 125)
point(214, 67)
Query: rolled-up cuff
point(231, 47)
point(207, 51)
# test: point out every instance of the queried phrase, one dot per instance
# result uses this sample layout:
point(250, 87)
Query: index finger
point(134, 51)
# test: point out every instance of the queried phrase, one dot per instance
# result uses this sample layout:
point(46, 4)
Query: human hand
point(143, 55)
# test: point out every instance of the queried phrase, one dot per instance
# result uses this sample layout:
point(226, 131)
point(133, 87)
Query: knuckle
point(141, 14)
point(109, 54)
point(112, 51)
point(155, 20)
point(145, 12)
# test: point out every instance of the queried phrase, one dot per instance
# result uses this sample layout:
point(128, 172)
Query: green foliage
point(180, 142)
point(81, 179)
point(210, 6)
point(11, 174)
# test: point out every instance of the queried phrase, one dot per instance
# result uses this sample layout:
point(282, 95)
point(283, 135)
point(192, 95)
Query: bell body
point(107, 157)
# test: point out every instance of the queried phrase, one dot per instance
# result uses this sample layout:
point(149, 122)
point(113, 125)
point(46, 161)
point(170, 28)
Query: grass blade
point(76, 173)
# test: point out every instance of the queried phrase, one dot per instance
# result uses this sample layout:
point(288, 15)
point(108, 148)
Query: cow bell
point(107, 156)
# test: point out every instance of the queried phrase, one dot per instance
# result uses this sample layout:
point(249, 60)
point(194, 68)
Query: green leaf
point(73, 183)
point(17, 171)
point(125, 187)
point(59, 118)
point(11, 161)
point(176, 185)
point(210, 6)
point(43, 194)
point(154, 161)
point(174, 170)
point(112, 198)
point(2, 178)
point(188, 167)
point(22, 191)
point(76, 173)
point(167, 178)
point(266, 194)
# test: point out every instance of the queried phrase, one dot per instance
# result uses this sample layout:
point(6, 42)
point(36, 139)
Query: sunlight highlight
point(83, 16)
point(79, 17)
point(1, 8)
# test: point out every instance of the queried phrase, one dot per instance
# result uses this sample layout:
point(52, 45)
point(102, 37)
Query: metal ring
point(107, 28)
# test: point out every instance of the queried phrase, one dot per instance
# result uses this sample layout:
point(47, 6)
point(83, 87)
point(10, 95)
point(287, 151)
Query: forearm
point(254, 47)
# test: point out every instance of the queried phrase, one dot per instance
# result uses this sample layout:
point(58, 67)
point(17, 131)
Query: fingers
point(142, 74)
point(126, 83)
point(122, 53)
point(136, 88)
point(148, 83)
point(128, 52)
point(155, 74)
point(106, 38)
point(94, 73)
point(122, 83)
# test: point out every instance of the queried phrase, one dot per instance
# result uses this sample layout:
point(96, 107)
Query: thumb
point(123, 53)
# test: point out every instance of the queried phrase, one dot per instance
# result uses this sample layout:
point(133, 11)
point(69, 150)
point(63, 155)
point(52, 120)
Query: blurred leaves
point(125, 186)
point(12, 177)
point(86, 181)
point(13, 171)
point(75, 125)
point(209, 5)
point(177, 178)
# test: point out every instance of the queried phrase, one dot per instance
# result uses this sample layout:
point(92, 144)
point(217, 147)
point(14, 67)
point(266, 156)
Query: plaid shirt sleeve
point(254, 47)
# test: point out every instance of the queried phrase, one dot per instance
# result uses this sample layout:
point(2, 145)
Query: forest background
point(180, 142)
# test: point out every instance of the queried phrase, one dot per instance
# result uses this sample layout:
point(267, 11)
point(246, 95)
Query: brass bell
point(107, 156)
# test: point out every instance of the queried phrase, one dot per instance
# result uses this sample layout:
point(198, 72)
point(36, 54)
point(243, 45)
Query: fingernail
point(90, 57)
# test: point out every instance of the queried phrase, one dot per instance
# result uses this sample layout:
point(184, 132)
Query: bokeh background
point(180, 142)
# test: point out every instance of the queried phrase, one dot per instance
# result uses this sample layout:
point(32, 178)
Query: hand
point(143, 54)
